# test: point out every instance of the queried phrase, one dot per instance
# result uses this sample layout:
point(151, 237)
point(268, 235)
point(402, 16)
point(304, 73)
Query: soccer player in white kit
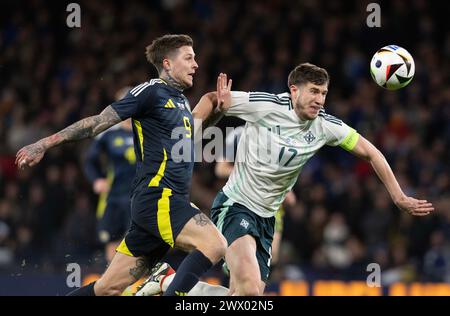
point(281, 134)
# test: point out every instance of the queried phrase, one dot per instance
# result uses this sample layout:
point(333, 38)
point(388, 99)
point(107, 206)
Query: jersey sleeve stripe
point(268, 100)
point(331, 119)
point(141, 89)
point(132, 91)
point(268, 95)
point(323, 113)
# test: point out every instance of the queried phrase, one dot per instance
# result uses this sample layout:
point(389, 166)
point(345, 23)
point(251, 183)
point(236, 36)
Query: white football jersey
point(274, 146)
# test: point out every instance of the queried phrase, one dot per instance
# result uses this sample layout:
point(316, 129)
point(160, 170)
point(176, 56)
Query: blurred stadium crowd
point(51, 76)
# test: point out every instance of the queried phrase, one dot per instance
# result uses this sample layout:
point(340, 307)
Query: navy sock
point(87, 290)
point(188, 273)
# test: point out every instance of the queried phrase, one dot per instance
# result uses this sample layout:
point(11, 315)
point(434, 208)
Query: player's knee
point(248, 288)
point(223, 245)
point(247, 284)
point(220, 247)
point(215, 249)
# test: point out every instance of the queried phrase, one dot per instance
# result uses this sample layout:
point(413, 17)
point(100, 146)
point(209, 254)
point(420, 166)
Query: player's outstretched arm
point(205, 108)
point(88, 127)
point(366, 150)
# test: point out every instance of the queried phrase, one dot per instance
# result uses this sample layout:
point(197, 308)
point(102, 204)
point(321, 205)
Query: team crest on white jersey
point(309, 137)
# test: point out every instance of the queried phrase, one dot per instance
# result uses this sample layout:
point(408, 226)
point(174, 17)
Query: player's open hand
point(223, 92)
point(30, 155)
point(415, 207)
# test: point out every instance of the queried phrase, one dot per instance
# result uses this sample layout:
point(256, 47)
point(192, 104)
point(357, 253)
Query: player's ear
point(294, 90)
point(166, 64)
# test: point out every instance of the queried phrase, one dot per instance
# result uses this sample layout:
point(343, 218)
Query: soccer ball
point(392, 67)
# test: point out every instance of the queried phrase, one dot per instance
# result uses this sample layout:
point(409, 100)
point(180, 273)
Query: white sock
point(206, 289)
point(200, 289)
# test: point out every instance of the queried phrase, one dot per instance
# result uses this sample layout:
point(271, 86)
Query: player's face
point(308, 99)
point(183, 66)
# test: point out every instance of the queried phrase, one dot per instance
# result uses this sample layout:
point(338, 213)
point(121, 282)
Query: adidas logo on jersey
point(244, 223)
point(170, 104)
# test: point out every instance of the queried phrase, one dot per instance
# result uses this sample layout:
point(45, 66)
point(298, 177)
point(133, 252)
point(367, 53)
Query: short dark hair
point(165, 45)
point(307, 72)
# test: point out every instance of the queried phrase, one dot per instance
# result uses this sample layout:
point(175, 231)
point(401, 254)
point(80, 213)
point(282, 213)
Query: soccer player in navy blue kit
point(162, 216)
point(112, 180)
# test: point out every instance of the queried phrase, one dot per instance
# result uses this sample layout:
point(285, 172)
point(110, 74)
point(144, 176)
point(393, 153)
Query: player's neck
point(171, 81)
point(300, 115)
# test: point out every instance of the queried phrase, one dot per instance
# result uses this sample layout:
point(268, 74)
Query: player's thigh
point(140, 241)
point(200, 233)
point(174, 220)
point(242, 262)
point(237, 221)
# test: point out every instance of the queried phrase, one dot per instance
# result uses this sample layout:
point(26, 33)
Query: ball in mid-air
point(392, 67)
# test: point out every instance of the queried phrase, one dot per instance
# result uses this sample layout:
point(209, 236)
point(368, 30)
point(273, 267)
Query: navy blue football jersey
point(163, 135)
